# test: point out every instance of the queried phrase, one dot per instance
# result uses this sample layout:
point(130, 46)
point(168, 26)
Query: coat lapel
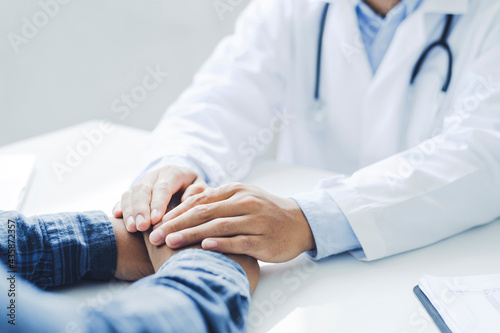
point(385, 103)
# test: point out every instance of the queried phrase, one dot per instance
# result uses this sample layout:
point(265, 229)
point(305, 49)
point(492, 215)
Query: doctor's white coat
point(410, 178)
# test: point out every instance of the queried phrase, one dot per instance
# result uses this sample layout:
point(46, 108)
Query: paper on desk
point(466, 304)
point(15, 176)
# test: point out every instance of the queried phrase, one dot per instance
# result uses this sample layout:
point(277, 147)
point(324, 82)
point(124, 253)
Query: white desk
point(339, 294)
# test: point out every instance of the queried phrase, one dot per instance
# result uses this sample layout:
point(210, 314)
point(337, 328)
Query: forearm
point(57, 249)
point(250, 266)
point(194, 291)
point(211, 293)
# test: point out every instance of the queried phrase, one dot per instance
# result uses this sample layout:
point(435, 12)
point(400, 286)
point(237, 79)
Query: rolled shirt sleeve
point(58, 249)
point(331, 230)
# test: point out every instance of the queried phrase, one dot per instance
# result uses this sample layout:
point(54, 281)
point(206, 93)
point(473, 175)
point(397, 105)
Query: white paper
point(466, 304)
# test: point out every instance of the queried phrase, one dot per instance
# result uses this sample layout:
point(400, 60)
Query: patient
point(191, 290)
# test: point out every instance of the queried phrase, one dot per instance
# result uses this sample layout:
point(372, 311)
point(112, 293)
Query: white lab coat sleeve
point(330, 228)
point(218, 123)
point(446, 185)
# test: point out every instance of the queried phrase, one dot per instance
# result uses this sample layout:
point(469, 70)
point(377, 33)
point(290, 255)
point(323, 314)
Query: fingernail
point(130, 221)
point(156, 236)
point(154, 214)
point(174, 239)
point(209, 244)
point(141, 222)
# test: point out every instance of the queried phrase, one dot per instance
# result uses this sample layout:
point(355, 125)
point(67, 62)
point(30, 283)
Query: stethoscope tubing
point(441, 42)
point(320, 51)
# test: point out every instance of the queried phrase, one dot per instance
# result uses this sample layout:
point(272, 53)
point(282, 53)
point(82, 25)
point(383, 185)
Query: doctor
point(420, 160)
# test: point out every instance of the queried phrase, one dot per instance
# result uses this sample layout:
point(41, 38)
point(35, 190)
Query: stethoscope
point(319, 112)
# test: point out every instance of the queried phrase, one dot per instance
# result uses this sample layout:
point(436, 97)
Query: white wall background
point(90, 52)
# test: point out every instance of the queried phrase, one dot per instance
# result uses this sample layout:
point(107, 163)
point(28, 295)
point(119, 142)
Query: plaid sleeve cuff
point(56, 249)
point(83, 246)
point(102, 254)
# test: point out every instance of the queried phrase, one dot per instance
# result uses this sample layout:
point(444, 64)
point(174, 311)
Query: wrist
point(306, 237)
point(161, 254)
point(250, 266)
point(132, 261)
point(158, 255)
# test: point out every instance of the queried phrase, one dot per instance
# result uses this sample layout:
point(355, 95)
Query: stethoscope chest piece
point(319, 116)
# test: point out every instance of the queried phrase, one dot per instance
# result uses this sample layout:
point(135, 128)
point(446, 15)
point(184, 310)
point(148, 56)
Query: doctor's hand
point(146, 203)
point(239, 219)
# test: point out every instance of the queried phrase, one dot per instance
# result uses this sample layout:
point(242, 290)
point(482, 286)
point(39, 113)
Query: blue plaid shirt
point(194, 291)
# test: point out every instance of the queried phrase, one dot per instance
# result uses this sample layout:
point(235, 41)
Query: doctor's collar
point(455, 7)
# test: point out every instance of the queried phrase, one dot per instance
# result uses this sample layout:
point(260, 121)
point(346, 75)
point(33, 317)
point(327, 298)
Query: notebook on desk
point(16, 171)
point(462, 304)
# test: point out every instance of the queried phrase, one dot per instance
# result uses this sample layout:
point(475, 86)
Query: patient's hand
point(133, 260)
point(160, 254)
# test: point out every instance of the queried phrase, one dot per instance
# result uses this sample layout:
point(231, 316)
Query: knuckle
point(209, 191)
point(200, 198)
point(236, 186)
point(250, 201)
point(141, 188)
point(245, 243)
point(203, 212)
point(190, 201)
point(162, 185)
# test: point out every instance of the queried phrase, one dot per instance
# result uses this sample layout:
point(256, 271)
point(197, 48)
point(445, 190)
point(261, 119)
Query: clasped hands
point(232, 219)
